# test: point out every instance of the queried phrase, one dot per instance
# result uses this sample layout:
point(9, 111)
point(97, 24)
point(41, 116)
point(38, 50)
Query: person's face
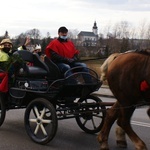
point(7, 45)
point(63, 33)
point(38, 51)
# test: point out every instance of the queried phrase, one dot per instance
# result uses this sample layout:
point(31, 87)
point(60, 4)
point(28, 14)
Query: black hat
point(63, 30)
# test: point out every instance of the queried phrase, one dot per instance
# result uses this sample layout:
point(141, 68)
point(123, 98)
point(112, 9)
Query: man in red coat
point(63, 52)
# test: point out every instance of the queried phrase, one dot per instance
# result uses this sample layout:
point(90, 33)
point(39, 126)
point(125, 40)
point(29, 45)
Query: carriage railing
point(81, 70)
point(78, 77)
point(78, 84)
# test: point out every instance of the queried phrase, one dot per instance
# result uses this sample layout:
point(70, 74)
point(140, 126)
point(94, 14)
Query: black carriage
point(49, 96)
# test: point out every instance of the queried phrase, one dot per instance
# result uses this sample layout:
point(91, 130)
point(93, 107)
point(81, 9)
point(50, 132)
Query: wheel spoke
point(36, 112)
point(43, 129)
point(33, 120)
point(43, 112)
point(93, 123)
point(85, 121)
point(37, 129)
point(46, 121)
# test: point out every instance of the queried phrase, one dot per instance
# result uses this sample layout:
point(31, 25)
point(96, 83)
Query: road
point(68, 137)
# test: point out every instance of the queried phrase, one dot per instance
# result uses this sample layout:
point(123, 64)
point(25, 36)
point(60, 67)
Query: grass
point(95, 65)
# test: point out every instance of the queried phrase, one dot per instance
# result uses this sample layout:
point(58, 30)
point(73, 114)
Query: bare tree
point(48, 35)
point(124, 27)
point(133, 40)
point(148, 35)
point(34, 34)
point(116, 32)
point(142, 34)
point(72, 34)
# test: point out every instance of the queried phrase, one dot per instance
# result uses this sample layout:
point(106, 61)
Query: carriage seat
point(54, 72)
point(32, 66)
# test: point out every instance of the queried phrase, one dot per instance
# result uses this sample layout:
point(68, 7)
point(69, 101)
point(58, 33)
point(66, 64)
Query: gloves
point(76, 57)
point(70, 60)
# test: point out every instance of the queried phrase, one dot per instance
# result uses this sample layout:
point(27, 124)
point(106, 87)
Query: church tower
point(95, 28)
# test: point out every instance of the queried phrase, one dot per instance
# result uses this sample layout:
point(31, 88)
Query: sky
point(18, 16)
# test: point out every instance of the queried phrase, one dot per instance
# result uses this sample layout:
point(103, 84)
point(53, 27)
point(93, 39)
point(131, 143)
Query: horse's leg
point(124, 122)
point(111, 116)
point(121, 137)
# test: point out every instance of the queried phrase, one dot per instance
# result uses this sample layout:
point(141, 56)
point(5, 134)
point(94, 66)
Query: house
point(86, 38)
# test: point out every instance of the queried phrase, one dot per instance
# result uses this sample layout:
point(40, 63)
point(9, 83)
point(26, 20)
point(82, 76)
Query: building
point(86, 38)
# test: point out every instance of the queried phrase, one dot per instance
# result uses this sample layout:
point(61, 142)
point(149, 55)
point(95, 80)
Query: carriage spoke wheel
point(91, 117)
point(2, 110)
point(41, 121)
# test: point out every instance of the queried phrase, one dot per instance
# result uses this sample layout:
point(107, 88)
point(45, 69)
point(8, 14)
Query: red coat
point(65, 49)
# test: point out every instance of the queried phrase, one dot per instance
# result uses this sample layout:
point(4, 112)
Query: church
point(86, 38)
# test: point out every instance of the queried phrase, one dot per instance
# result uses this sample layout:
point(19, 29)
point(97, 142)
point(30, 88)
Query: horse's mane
point(143, 51)
point(105, 65)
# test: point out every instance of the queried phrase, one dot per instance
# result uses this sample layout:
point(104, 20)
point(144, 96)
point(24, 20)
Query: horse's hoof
point(99, 139)
point(104, 147)
point(122, 144)
point(103, 144)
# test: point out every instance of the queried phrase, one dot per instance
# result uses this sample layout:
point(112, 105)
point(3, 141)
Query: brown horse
point(128, 76)
point(120, 134)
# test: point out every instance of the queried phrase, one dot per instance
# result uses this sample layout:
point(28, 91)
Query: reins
point(127, 107)
point(83, 60)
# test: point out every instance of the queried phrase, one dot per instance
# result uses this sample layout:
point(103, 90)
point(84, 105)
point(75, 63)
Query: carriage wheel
point(2, 110)
point(41, 121)
point(92, 116)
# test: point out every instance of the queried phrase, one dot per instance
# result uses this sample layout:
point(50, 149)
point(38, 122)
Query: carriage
point(49, 96)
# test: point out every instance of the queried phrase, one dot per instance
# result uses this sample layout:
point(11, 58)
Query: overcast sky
point(18, 16)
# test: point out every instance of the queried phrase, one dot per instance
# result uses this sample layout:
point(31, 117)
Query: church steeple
point(95, 28)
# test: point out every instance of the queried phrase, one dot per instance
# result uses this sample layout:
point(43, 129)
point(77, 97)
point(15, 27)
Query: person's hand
point(71, 60)
point(76, 58)
point(27, 41)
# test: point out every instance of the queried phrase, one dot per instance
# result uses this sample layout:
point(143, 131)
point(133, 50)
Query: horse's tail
point(106, 64)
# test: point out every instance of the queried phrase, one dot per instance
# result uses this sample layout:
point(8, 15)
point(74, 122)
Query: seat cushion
point(32, 71)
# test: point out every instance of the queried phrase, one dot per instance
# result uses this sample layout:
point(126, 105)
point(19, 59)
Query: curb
point(105, 86)
point(103, 95)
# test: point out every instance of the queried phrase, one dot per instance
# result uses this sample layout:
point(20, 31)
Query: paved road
point(69, 136)
point(104, 91)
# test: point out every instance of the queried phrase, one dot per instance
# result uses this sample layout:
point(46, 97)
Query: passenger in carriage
point(63, 53)
point(5, 49)
point(38, 50)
